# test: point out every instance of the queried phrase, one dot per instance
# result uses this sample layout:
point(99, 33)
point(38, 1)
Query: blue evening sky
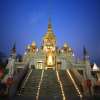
point(76, 22)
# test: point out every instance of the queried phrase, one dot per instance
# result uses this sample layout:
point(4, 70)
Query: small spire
point(14, 48)
point(85, 54)
point(84, 51)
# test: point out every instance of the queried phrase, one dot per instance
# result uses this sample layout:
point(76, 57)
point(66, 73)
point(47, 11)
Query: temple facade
point(48, 55)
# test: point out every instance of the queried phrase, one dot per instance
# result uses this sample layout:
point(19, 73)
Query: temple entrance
point(50, 61)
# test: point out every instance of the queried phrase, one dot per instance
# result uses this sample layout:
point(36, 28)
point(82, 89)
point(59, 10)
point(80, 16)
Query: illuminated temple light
point(75, 85)
point(39, 86)
point(61, 86)
point(50, 60)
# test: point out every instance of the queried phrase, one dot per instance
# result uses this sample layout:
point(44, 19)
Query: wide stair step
point(69, 89)
point(31, 85)
point(50, 88)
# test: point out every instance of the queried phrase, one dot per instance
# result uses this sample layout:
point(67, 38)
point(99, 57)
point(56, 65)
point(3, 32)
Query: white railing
point(77, 75)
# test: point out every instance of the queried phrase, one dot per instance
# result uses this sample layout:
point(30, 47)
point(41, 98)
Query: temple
point(48, 55)
point(51, 73)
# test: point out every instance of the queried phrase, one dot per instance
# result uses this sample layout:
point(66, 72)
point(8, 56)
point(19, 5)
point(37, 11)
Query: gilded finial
point(49, 25)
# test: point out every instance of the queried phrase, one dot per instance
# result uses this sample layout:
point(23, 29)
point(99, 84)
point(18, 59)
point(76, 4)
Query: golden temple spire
point(49, 34)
